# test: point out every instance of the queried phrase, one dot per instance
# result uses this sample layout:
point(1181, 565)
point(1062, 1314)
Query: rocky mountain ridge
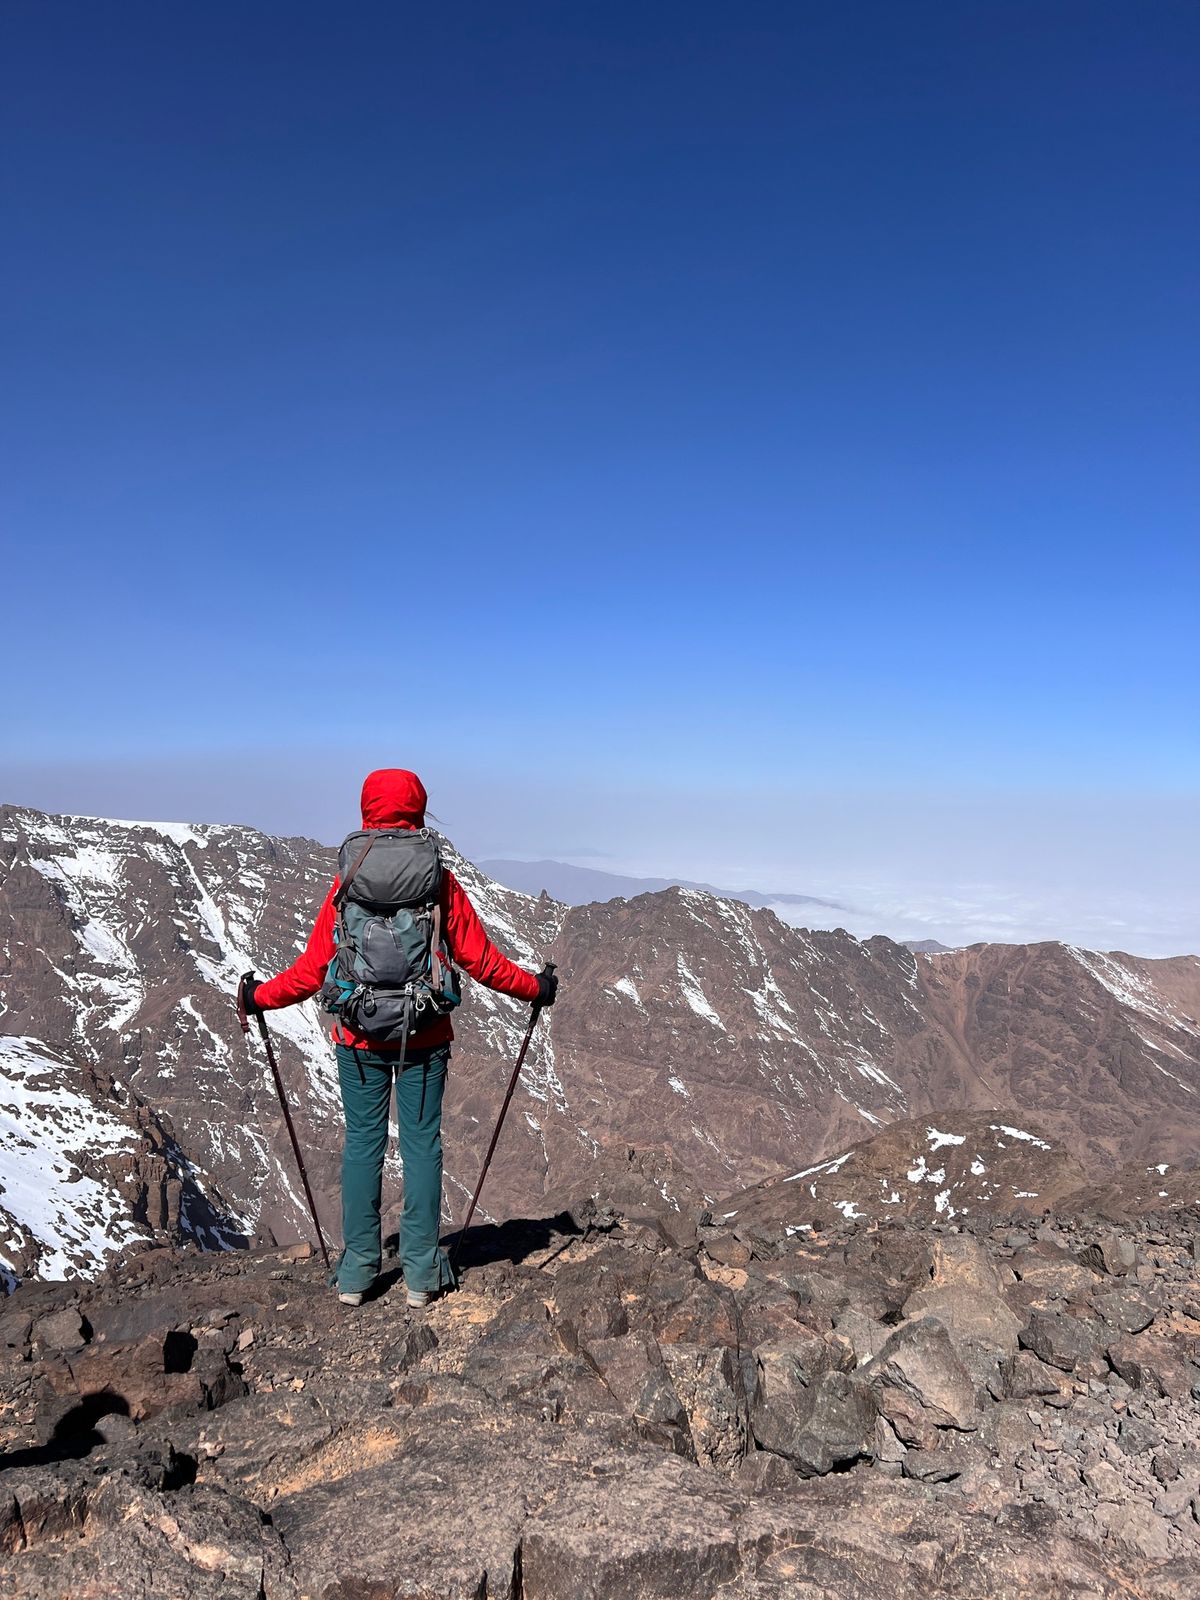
point(738, 1047)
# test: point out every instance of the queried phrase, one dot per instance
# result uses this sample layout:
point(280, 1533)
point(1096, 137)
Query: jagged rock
point(40, 1503)
point(919, 1382)
point(1135, 1437)
point(1025, 1377)
point(1104, 1481)
point(1124, 1310)
point(837, 1427)
point(61, 1330)
point(417, 1340)
point(710, 1382)
point(132, 1318)
point(197, 1543)
point(1148, 1361)
point(1135, 1529)
point(960, 1259)
point(1061, 1341)
point(588, 1301)
point(1113, 1253)
point(762, 1470)
point(980, 1324)
point(768, 1310)
point(786, 1372)
point(681, 1306)
point(949, 1458)
point(866, 1336)
point(15, 1329)
point(523, 1436)
point(809, 1411)
point(523, 1360)
point(442, 1515)
point(632, 1368)
point(1049, 1274)
point(727, 1249)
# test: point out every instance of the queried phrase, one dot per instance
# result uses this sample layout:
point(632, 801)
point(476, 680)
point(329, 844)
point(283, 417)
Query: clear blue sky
point(802, 393)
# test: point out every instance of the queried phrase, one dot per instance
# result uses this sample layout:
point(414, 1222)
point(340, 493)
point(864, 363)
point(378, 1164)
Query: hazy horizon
point(1111, 871)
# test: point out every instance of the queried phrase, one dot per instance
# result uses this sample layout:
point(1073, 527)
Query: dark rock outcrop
point(597, 1414)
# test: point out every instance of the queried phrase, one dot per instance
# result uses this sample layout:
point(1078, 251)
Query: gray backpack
point(391, 970)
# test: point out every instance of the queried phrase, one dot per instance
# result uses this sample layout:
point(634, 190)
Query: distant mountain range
point(581, 886)
point(733, 1046)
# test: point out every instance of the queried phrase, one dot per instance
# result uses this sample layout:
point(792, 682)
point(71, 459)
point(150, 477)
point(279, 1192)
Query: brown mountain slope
point(735, 1045)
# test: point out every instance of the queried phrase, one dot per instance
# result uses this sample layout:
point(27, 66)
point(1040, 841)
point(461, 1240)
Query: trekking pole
point(547, 970)
point(287, 1115)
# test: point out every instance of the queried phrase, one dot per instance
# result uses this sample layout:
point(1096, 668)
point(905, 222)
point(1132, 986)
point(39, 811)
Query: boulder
point(632, 1368)
point(521, 1358)
point(40, 1503)
point(681, 1306)
point(1068, 1343)
point(982, 1327)
point(61, 1330)
point(1048, 1275)
point(919, 1382)
point(1113, 1253)
point(768, 1311)
point(1025, 1377)
point(836, 1427)
point(866, 1336)
point(806, 1406)
point(1155, 1363)
point(1124, 1310)
point(1135, 1529)
point(963, 1261)
point(710, 1382)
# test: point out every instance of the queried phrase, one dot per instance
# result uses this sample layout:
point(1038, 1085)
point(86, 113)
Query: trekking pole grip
point(546, 972)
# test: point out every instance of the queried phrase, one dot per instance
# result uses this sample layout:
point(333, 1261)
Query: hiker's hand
point(547, 988)
point(247, 989)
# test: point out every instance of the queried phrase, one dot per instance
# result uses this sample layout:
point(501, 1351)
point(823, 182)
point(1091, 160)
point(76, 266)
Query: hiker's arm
point(474, 952)
point(307, 973)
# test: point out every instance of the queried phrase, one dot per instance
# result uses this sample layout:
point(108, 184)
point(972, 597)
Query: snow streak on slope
point(73, 1221)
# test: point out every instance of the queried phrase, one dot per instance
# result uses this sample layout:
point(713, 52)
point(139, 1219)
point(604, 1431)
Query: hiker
point(401, 1031)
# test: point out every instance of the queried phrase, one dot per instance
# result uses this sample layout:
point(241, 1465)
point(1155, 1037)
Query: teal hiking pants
point(366, 1078)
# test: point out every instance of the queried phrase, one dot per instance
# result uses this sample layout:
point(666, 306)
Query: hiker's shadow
point(489, 1242)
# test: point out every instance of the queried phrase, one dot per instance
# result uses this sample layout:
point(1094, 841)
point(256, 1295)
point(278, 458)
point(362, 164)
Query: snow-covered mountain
point(132, 1108)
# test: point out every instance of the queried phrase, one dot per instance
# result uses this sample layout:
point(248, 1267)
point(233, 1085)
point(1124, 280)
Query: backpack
point(391, 971)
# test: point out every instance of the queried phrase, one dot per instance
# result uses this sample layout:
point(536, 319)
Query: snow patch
point(937, 1140)
point(1018, 1133)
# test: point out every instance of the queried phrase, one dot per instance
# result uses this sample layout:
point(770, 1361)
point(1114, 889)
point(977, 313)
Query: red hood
point(393, 798)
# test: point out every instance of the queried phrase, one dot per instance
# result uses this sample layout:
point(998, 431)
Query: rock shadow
point(513, 1241)
point(75, 1434)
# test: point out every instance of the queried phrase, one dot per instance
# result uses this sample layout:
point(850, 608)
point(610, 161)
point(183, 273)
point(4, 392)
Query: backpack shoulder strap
point(435, 942)
point(344, 886)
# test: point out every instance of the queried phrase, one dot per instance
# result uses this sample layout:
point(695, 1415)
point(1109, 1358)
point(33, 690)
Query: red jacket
point(393, 798)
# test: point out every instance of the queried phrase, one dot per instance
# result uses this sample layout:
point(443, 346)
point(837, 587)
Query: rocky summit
point(628, 1397)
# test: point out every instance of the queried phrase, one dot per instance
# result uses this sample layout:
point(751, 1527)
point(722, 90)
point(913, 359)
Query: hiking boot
point(418, 1299)
point(351, 1297)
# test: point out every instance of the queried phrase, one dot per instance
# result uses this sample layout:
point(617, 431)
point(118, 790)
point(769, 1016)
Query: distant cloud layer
point(1112, 870)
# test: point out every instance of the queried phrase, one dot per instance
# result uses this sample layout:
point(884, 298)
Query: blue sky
point(633, 418)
